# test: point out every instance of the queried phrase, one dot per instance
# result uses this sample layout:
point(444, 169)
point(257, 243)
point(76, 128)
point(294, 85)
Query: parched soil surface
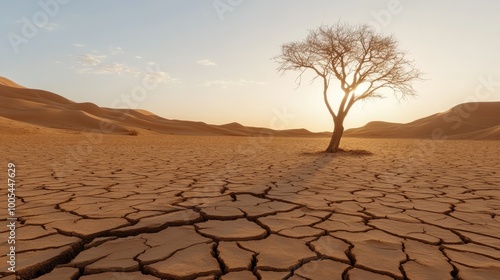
point(188, 207)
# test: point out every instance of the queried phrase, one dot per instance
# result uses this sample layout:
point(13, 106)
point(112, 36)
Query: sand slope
point(44, 109)
point(479, 120)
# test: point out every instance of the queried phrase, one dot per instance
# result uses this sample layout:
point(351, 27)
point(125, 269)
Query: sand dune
point(480, 120)
point(42, 109)
point(45, 109)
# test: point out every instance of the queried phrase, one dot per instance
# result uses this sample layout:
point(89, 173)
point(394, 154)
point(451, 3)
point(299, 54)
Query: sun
point(361, 89)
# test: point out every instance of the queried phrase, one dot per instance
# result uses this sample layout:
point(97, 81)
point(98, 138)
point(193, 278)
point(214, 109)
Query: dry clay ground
point(181, 207)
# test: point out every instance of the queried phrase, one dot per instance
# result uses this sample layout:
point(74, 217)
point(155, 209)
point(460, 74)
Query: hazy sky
point(212, 59)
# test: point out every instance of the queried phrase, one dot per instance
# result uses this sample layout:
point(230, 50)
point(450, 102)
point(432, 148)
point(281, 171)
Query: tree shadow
point(342, 152)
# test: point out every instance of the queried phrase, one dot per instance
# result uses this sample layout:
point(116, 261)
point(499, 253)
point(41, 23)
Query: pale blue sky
point(215, 65)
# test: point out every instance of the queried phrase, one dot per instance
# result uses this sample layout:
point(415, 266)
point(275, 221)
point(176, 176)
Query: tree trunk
point(338, 131)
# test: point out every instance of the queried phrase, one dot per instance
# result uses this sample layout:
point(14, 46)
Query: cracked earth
point(180, 207)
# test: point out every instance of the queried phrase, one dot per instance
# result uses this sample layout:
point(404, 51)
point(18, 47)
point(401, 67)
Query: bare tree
point(363, 61)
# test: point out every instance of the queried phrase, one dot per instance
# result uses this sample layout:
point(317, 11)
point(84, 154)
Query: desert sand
point(125, 194)
point(204, 207)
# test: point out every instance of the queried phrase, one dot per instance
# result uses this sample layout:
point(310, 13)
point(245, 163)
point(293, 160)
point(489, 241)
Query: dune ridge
point(9, 83)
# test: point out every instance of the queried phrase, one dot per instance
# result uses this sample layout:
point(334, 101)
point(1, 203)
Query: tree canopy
point(356, 56)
